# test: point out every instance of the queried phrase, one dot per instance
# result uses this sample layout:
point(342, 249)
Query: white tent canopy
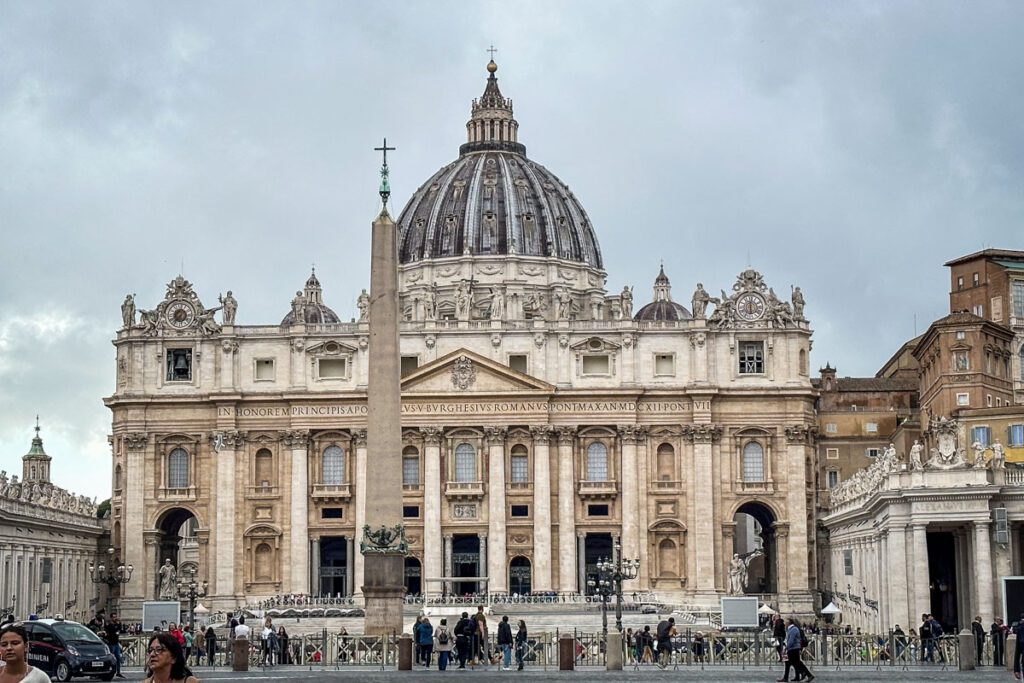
point(831, 609)
point(766, 609)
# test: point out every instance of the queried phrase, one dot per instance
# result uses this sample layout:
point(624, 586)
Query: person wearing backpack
point(462, 638)
point(443, 640)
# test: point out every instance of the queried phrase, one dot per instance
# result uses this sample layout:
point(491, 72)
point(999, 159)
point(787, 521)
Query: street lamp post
point(611, 574)
point(190, 589)
point(14, 603)
point(113, 573)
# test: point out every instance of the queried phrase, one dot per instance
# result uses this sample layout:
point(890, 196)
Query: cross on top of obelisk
point(385, 184)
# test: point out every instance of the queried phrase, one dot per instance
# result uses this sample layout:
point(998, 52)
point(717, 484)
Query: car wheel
point(63, 671)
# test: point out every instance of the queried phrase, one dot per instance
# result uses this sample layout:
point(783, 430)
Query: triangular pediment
point(463, 371)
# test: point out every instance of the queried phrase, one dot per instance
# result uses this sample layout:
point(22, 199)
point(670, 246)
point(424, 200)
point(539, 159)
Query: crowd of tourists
point(466, 643)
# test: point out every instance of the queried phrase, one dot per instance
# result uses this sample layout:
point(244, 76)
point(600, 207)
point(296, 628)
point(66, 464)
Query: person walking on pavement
point(505, 643)
point(444, 642)
point(521, 645)
point(480, 653)
point(779, 634)
point(426, 642)
point(1018, 652)
point(211, 645)
point(112, 635)
point(463, 638)
point(978, 629)
point(665, 641)
point(793, 646)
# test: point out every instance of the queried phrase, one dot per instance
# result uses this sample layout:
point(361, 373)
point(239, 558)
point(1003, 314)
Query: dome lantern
point(491, 124)
point(662, 308)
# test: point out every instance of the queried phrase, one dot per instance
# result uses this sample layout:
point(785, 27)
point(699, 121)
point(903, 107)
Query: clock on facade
point(750, 306)
point(180, 314)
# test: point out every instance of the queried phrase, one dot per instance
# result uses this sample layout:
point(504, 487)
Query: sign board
point(1013, 598)
point(160, 613)
point(740, 613)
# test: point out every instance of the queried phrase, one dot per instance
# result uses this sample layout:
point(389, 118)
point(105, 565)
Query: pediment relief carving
point(330, 349)
point(595, 345)
point(469, 372)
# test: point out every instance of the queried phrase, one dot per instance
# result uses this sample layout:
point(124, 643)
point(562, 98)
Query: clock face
point(750, 306)
point(180, 314)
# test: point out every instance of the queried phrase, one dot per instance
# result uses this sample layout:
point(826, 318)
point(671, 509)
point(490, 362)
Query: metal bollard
point(965, 639)
point(566, 652)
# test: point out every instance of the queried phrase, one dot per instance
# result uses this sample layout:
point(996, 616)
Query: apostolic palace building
point(544, 419)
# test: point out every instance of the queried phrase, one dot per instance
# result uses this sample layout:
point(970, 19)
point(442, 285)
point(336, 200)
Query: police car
point(65, 649)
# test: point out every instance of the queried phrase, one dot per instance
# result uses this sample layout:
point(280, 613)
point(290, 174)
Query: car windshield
point(71, 631)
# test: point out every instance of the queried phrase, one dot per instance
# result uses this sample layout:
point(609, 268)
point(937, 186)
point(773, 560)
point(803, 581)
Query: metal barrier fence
point(711, 649)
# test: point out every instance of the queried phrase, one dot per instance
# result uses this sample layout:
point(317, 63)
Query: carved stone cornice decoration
point(566, 434)
point(801, 434)
point(431, 435)
point(698, 339)
point(538, 339)
point(295, 438)
point(359, 438)
point(227, 440)
point(702, 433)
point(135, 441)
point(781, 529)
point(541, 432)
point(495, 435)
point(632, 434)
point(229, 345)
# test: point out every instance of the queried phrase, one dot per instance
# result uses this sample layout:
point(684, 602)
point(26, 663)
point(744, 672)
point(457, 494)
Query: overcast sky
point(849, 148)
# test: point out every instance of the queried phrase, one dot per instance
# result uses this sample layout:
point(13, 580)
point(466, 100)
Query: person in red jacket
point(173, 629)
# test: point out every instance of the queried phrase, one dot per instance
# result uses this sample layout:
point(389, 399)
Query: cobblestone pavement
point(849, 675)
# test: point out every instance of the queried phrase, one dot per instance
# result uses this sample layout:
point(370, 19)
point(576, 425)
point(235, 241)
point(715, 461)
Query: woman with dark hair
point(13, 649)
point(165, 661)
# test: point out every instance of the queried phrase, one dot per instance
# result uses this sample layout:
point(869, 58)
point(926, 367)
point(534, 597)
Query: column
point(298, 531)
point(359, 440)
point(314, 566)
point(350, 572)
point(496, 568)
point(150, 565)
point(566, 511)
point(629, 434)
point(783, 584)
point(922, 594)
point(448, 569)
point(541, 509)
point(896, 579)
point(581, 561)
point(482, 563)
point(432, 556)
point(983, 570)
point(643, 453)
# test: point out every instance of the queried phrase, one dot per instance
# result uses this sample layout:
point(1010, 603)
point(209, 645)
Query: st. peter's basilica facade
point(543, 420)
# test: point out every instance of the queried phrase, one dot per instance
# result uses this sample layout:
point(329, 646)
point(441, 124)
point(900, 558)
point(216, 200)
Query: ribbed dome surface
point(314, 310)
point(663, 310)
point(496, 202)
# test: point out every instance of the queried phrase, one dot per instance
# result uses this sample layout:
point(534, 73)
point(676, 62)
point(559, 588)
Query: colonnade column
point(541, 509)
point(432, 555)
point(566, 511)
point(630, 434)
point(359, 439)
point(983, 570)
point(496, 568)
point(298, 532)
point(922, 593)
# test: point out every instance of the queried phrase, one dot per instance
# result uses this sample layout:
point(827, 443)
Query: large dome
point(493, 200)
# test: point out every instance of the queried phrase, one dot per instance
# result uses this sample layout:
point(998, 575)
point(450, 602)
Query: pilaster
point(432, 555)
point(541, 508)
point(297, 442)
point(566, 511)
point(496, 522)
point(359, 441)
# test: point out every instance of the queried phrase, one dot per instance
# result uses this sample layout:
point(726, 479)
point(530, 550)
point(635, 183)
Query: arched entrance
point(520, 576)
point(754, 541)
point(177, 542)
point(413, 576)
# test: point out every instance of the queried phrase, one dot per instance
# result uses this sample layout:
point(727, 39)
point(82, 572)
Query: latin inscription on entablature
point(465, 408)
point(950, 506)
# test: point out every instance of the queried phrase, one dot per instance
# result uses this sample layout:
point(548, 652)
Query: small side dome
point(311, 302)
point(662, 308)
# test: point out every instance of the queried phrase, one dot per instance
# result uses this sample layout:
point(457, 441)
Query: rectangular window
point(47, 570)
point(848, 562)
point(1018, 300)
point(752, 358)
point(963, 399)
point(988, 400)
point(520, 511)
point(960, 282)
point(332, 513)
point(597, 510)
point(830, 428)
point(982, 435)
point(871, 427)
point(264, 369)
point(179, 365)
point(664, 364)
point(1015, 436)
point(410, 471)
point(871, 452)
point(961, 335)
point(520, 469)
point(975, 279)
point(979, 310)
point(410, 511)
point(831, 453)
point(596, 365)
point(518, 362)
point(332, 368)
point(410, 363)
point(833, 479)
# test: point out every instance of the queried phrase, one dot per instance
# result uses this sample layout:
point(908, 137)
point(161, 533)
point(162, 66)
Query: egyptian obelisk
point(383, 544)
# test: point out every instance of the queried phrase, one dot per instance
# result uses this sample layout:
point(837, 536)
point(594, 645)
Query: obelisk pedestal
point(383, 544)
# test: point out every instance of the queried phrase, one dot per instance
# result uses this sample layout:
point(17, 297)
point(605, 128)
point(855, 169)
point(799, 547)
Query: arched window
point(753, 462)
point(333, 466)
point(520, 464)
point(465, 463)
point(803, 361)
point(597, 462)
point(668, 559)
point(666, 462)
point(177, 469)
point(264, 468)
point(410, 466)
point(264, 562)
point(1022, 361)
point(117, 477)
